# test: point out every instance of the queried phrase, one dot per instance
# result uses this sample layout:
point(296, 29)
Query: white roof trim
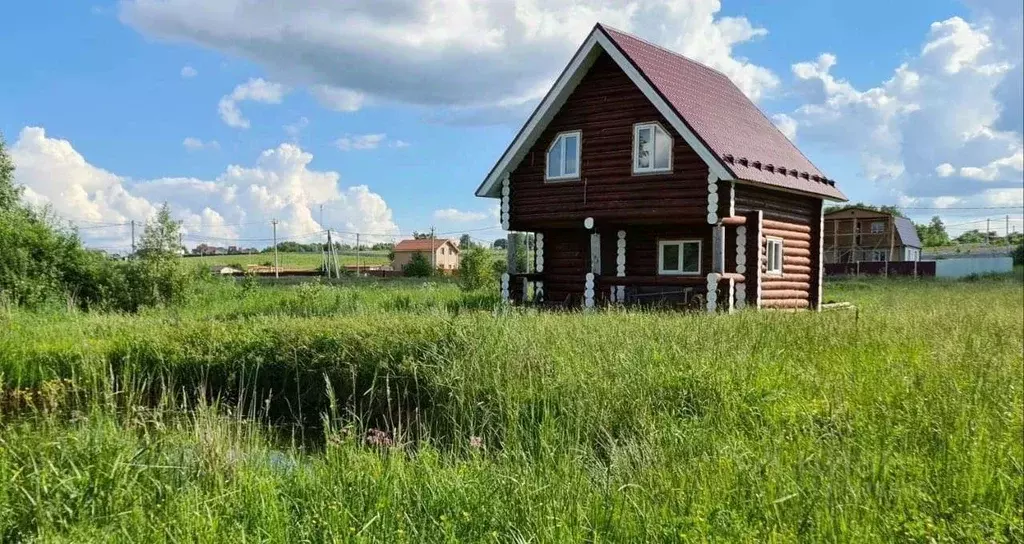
point(596, 42)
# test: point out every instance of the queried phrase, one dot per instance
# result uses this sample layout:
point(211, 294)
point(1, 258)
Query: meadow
point(414, 412)
point(290, 260)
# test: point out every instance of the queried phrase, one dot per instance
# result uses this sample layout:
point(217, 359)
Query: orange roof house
point(443, 253)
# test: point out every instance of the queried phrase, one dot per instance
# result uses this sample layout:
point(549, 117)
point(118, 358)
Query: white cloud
point(945, 170)
point(479, 59)
point(936, 130)
point(337, 99)
point(458, 216)
point(229, 209)
point(399, 144)
point(293, 130)
point(188, 72)
point(786, 124)
point(360, 142)
point(196, 144)
point(254, 90)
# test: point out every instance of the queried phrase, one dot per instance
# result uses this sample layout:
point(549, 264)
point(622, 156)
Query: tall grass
point(287, 418)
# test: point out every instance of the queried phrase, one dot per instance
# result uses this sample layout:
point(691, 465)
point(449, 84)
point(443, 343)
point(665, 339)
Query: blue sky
point(111, 92)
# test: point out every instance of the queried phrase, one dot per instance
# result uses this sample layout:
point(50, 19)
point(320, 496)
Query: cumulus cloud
point(458, 216)
point(188, 72)
point(196, 144)
point(478, 59)
point(254, 90)
point(233, 208)
point(936, 130)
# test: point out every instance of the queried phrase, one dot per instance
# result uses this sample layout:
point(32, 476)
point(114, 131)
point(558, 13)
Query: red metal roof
point(422, 244)
point(718, 112)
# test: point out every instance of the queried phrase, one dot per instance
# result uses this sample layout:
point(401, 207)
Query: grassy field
point(412, 412)
point(297, 261)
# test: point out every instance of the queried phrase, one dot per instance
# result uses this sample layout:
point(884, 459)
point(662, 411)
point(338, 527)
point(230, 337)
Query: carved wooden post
point(620, 266)
point(538, 286)
point(741, 266)
point(595, 264)
point(718, 249)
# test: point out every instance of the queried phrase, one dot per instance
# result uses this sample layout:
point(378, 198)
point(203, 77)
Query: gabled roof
point(907, 231)
point(731, 135)
point(857, 208)
point(423, 244)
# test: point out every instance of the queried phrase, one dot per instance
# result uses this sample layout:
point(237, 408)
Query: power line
point(962, 208)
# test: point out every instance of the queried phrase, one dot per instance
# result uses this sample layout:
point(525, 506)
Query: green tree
point(465, 242)
point(500, 243)
point(10, 194)
point(476, 268)
point(160, 237)
point(933, 234)
point(973, 236)
point(418, 267)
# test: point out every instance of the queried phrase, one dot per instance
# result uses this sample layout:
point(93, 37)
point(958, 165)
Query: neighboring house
point(646, 176)
point(445, 253)
point(864, 235)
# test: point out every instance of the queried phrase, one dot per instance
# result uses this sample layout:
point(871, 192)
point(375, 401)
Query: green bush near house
point(418, 267)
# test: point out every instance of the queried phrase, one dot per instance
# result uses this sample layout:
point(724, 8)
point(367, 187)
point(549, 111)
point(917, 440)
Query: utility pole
point(988, 230)
point(1007, 228)
point(330, 252)
point(274, 223)
point(133, 237)
point(358, 254)
point(433, 252)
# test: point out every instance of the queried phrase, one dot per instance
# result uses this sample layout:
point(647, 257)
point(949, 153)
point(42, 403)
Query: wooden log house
point(646, 177)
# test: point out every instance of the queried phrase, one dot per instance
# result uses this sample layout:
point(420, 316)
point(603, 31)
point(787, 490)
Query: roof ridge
point(663, 48)
point(723, 75)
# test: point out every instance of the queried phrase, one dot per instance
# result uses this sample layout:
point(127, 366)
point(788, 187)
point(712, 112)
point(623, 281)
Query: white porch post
point(620, 266)
point(538, 286)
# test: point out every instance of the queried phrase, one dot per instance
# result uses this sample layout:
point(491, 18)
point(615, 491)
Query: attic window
point(564, 157)
point(652, 149)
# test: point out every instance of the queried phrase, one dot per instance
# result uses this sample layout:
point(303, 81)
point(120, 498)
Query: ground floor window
point(879, 255)
point(678, 257)
point(774, 254)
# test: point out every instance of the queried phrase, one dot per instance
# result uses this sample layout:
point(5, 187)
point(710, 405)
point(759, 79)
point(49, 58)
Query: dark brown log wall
point(797, 220)
point(605, 106)
point(566, 262)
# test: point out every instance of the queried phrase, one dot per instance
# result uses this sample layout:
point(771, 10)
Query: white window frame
point(654, 126)
point(876, 252)
point(560, 140)
point(770, 269)
point(881, 228)
point(680, 243)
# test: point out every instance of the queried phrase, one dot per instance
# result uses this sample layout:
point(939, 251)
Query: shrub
point(476, 268)
point(418, 267)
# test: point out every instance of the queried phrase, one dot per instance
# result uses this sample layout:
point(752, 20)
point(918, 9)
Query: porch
point(682, 266)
